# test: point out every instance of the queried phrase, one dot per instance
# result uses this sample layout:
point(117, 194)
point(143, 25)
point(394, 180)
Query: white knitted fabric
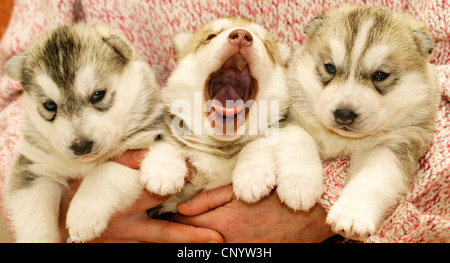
point(423, 215)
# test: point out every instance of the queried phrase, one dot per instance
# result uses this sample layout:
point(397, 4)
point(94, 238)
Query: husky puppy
point(87, 98)
point(363, 87)
point(230, 72)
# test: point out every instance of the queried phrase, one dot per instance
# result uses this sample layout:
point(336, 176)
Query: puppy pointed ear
point(15, 65)
point(120, 45)
point(180, 41)
point(285, 52)
point(425, 42)
point(312, 26)
point(421, 35)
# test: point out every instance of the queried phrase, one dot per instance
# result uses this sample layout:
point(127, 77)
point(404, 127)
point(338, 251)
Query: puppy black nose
point(344, 116)
point(81, 147)
point(240, 37)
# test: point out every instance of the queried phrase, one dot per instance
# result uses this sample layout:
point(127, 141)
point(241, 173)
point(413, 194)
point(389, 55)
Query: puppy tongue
point(235, 103)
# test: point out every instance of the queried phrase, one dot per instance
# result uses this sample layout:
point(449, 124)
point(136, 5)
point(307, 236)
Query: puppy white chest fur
point(212, 171)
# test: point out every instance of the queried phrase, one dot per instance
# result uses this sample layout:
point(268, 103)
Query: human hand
point(133, 225)
point(265, 221)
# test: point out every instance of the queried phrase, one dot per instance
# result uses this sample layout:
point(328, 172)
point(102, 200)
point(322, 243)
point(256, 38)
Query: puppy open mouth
point(231, 90)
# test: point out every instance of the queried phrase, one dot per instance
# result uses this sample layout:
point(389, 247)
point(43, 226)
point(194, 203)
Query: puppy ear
point(120, 45)
point(285, 52)
point(425, 42)
point(180, 41)
point(15, 65)
point(313, 25)
point(421, 35)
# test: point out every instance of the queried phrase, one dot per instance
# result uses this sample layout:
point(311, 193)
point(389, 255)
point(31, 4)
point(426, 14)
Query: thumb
point(131, 158)
point(206, 201)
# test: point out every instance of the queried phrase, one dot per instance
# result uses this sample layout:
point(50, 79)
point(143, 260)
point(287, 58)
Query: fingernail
point(213, 241)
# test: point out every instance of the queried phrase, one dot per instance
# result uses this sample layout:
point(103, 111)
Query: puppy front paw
point(351, 219)
point(300, 192)
point(86, 223)
point(251, 183)
point(163, 176)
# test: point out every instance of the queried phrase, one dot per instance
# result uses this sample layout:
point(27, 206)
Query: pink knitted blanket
point(423, 215)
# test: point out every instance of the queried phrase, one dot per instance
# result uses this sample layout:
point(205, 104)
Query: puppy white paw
point(86, 222)
point(251, 183)
point(351, 219)
point(300, 192)
point(163, 176)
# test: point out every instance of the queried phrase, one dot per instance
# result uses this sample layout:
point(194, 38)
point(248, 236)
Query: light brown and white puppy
point(226, 95)
point(87, 98)
point(363, 87)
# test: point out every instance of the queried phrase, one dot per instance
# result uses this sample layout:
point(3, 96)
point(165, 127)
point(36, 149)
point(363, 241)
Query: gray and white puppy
point(363, 87)
point(87, 99)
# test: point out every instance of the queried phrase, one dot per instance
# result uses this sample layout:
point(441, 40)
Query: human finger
point(131, 158)
point(206, 201)
point(161, 231)
point(146, 201)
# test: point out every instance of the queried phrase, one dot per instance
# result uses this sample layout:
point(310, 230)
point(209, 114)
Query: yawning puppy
point(363, 87)
point(226, 95)
point(87, 98)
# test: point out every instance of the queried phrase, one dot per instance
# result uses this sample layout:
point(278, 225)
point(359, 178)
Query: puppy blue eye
point(98, 96)
point(380, 76)
point(211, 36)
point(50, 105)
point(330, 68)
